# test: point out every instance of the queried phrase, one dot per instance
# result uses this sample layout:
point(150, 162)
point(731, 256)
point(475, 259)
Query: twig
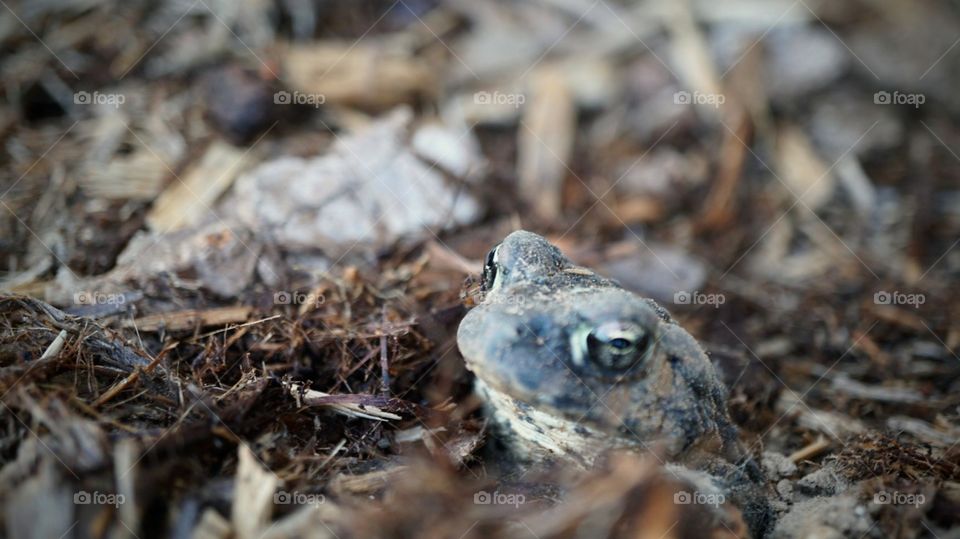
point(366, 411)
point(810, 450)
point(384, 363)
point(55, 346)
point(126, 382)
point(251, 323)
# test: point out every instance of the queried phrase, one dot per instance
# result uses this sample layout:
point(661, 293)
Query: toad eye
point(617, 346)
point(490, 270)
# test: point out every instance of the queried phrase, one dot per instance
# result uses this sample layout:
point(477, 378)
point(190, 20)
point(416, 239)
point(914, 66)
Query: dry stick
point(811, 450)
point(384, 364)
point(720, 202)
point(363, 361)
point(126, 382)
point(245, 325)
point(91, 411)
point(333, 453)
point(310, 397)
point(192, 319)
point(55, 346)
point(44, 361)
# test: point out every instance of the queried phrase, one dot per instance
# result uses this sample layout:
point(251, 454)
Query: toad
point(570, 365)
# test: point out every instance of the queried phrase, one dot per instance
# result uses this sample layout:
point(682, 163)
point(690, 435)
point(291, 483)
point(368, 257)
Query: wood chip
point(639, 209)
point(924, 431)
point(545, 142)
point(836, 425)
point(367, 483)
point(212, 526)
point(42, 505)
point(820, 445)
point(367, 73)
point(125, 459)
point(252, 496)
point(139, 176)
point(365, 411)
point(308, 521)
point(857, 184)
point(899, 316)
point(443, 258)
point(721, 204)
point(806, 175)
point(691, 55)
point(191, 319)
point(55, 346)
point(903, 395)
point(189, 199)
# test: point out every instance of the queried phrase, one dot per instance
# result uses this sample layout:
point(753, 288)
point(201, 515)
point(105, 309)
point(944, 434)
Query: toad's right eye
point(615, 348)
point(618, 346)
point(490, 270)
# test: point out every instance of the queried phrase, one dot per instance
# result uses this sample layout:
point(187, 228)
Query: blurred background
point(241, 199)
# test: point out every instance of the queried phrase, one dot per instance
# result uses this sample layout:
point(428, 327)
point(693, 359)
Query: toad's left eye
point(490, 270)
point(617, 346)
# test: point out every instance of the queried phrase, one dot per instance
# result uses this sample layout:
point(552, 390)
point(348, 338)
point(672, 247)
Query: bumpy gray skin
point(548, 400)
